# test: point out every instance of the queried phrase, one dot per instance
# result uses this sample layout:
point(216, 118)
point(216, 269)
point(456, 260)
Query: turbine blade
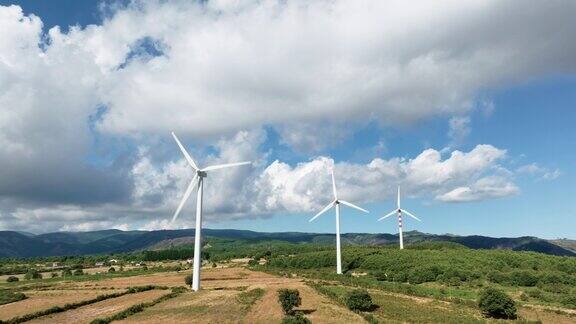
point(186, 155)
point(334, 186)
point(322, 211)
point(353, 206)
point(398, 204)
point(388, 215)
point(185, 197)
point(222, 166)
point(409, 214)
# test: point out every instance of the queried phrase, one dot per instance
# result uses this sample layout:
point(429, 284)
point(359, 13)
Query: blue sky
point(88, 111)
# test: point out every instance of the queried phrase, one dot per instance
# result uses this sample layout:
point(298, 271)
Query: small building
point(113, 261)
point(56, 264)
point(99, 264)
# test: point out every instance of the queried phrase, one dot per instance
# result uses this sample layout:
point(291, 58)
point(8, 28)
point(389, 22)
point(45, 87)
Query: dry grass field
point(44, 299)
point(227, 297)
point(104, 308)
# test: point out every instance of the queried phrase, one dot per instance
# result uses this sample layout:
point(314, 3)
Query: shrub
point(570, 300)
point(495, 303)
point(358, 300)
point(524, 278)
point(289, 298)
point(54, 274)
point(188, 280)
point(32, 274)
point(252, 262)
point(497, 277)
point(66, 272)
point(381, 276)
point(12, 279)
point(297, 318)
point(78, 272)
point(111, 270)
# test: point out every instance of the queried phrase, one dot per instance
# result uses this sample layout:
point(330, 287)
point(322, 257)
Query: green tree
point(78, 272)
point(289, 298)
point(495, 303)
point(32, 274)
point(358, 300)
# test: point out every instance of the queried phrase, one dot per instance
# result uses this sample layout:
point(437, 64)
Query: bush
point(78, 272)
point(570, 301)
point(358, 300)
point(252, 262)
point(289, 298)
point(111, 270)
point(381, 276)
point(524, 278)
point(32, 274)
point(188, 280)
point(495, 303)
point(66, 272)
point(54, 274)
point(12, 279)
point(295, 319)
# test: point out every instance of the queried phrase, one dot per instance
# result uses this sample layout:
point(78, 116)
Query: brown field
point(39, 300)
point(104, 308)
point(218, 302)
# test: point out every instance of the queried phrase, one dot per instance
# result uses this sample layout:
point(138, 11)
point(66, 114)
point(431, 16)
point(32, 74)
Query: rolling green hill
point(14, 244)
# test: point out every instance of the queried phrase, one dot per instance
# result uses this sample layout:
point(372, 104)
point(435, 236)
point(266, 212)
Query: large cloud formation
point(69, 100)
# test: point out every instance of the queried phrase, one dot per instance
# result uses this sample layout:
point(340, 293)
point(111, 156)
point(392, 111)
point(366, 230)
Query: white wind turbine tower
point(400, 211)
point(197, 179)
point(336, 203)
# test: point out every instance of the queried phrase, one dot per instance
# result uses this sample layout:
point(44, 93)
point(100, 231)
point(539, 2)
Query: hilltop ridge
point(15, 244)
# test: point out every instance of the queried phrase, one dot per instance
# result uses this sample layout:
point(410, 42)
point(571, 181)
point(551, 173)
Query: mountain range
point(21, 244)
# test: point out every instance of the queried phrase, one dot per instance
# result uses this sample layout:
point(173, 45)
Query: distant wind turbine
point(336, 203)
point(399, 211)
point(197, 179)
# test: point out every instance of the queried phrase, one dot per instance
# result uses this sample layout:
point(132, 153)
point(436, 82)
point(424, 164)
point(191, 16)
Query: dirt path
point(104, 308)
point(267, 310)
point(39, 300)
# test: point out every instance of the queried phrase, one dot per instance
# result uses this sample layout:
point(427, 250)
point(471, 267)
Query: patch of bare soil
point(267, 310)
point(39, 300)
point(104, 308)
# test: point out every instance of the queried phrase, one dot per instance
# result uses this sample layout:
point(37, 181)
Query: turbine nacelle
point(201, 173)
point(336, 201)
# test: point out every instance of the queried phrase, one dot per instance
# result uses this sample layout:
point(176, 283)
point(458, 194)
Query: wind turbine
point(400, 211)
point(199, 180)
point(336, 203)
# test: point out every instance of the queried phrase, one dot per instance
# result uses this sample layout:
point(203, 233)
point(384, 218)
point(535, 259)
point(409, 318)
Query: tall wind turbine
point(336, 203)
point(400, 211)
point(198, 179)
